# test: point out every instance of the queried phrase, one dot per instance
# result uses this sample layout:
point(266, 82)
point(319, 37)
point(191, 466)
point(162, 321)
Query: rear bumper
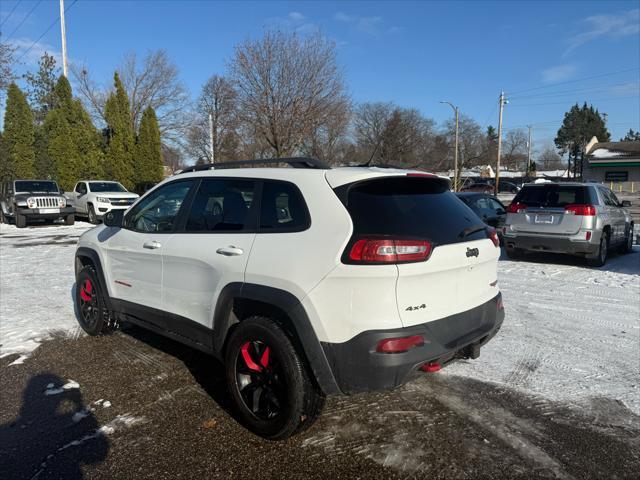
point(357, 367)
point(540, 243)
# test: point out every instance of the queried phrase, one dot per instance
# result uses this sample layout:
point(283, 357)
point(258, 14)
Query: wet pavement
point(136, 405)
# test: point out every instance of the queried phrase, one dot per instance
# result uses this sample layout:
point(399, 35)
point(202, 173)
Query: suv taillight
point(399, 344)
point(516, 208)
point(493, 235)
point(372, 250)
point(584, 210)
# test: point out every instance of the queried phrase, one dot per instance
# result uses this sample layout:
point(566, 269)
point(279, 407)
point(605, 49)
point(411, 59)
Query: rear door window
point(553, 196)
point(221, 205)
point(409, 208)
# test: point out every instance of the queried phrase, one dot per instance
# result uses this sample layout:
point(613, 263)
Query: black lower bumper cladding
point(357, 367)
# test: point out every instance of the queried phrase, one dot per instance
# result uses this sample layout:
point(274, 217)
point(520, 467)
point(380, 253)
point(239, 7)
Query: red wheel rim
point(260, 380)
point(89, 303)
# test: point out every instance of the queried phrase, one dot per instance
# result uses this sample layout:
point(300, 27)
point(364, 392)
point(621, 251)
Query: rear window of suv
point(554, 195)
point(409, 207)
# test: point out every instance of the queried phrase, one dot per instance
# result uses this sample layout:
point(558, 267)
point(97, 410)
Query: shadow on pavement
point(53, 435)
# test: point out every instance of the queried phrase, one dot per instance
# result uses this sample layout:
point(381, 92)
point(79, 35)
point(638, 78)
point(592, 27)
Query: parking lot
point(555, 395)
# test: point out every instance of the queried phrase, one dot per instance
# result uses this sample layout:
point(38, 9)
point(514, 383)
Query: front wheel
point(92, 313)
point(91, 213)
point(69, 219)
point(268, 380)
point(21, 221)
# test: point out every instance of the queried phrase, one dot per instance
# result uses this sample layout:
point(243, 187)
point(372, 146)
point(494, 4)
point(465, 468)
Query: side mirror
point(625, 204)
point(114, 218)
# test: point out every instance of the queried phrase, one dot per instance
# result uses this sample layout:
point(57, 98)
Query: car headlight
point(103, 200)
point(31, 202)
point(62, 202)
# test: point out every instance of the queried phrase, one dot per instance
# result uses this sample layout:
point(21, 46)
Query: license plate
point(49, 210)
point(544, 219)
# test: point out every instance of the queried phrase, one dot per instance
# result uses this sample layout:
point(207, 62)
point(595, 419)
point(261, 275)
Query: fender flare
point(95, 259)
point(300, 324)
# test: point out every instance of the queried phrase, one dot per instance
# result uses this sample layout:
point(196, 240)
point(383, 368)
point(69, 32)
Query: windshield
point(34, 186)
point(106, 187)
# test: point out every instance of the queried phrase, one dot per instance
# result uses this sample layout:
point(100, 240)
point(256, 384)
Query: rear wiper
point(470, 230)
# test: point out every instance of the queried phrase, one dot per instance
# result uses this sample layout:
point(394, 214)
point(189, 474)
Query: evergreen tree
point(579, 126)
point(120, 135)
point(72, 142)
point(148, 159)
point(18, 137)
point(631, 136)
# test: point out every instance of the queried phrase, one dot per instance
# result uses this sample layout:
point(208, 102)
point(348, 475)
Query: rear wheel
point(268, 381)
point(21, 221)
point(600, 258)
point(93, 315)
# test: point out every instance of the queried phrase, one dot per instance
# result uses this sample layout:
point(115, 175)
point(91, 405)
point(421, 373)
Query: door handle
point(152, 245)
point(230, 251)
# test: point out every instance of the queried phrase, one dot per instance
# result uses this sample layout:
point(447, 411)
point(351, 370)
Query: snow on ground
point(572, 333)
point(36, 281)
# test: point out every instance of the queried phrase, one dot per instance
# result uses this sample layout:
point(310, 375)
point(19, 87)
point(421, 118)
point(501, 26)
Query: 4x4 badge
point(472, 252)
point(417, 307)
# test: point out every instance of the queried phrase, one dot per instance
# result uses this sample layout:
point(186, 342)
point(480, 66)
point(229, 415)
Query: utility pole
point(63, 33)
point(211, 138)
point(503, 102)
point(529, 152)
point(455, 154)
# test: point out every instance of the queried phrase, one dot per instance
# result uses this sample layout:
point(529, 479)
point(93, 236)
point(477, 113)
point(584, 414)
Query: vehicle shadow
point(206, 370)
point(628, 263)
point(53, 435)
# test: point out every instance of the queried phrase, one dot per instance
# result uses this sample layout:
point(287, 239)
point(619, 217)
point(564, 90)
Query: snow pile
point(36, 284)
point(571, 333)
point(606, 153)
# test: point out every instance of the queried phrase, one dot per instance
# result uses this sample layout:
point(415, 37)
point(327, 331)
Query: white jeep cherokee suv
point(304, 281)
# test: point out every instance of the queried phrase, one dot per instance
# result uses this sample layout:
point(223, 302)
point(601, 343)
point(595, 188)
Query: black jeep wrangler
point(22, 201)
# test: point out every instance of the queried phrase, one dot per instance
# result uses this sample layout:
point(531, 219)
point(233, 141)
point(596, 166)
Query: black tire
point(70, 219)
point(600, 258)
point(514, 253)
point(92, 313)
point(3, 219)
point(628, 243)
point(21, 221)
point(271, 389)
point(91, 214)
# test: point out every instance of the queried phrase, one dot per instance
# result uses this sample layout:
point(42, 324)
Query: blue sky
point(411, 53)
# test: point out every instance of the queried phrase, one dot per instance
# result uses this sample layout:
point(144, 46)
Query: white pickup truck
point(95, 198)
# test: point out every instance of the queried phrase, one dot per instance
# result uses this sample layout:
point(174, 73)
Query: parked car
point(94, 198)
point(487, 207)
point(23, 201)
point(574, 218)
point(304, 282)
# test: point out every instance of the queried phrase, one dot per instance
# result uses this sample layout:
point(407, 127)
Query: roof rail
point(295, 162)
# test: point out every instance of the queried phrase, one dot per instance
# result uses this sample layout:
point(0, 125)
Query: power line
point(566, 92)
point(10, 13)
point(55, 22)
point(567, 101)
point(608, 74)
point(24, 19)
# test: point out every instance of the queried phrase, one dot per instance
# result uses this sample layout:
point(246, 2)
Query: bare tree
point(6, 65)
point(514, 150)
point(549, 159)
point(218, 99)
point(471, 146)
point(288, 88)
point(172, 158)
point(154, 82)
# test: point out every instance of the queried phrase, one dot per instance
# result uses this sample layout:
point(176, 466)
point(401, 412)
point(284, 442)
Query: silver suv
point(576, 218)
